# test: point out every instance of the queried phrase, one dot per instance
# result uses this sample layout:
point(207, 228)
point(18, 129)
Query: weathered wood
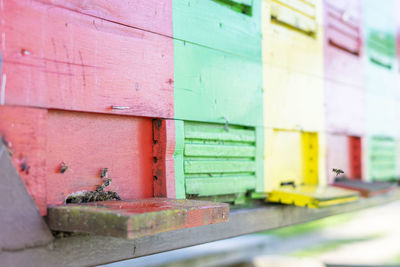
point(24, 131)
point(54, 57)
point(163, 158)
point(88, 143)
point(149, 15)
point(21, 225)
point(135, 218)
point(94, 250)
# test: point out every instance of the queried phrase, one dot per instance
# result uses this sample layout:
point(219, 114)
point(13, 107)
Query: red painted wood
point(86, 143)
point(57, 58)
point(136, 218)
point(24, 130)
point(149, 15)
point(355, 155)
point(163, 161)
point(342, 66)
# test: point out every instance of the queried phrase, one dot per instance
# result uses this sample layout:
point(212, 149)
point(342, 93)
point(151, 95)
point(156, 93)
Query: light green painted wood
point(220, 185)
point(213, 86)
point(212, 23)
point(178, 160)
point(218, 132)
point(219, 150)
point(260, 159)
point(382, 156)
point(218, 166)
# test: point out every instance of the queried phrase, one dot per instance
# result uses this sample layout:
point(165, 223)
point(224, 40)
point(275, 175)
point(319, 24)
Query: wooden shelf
point(93, 250)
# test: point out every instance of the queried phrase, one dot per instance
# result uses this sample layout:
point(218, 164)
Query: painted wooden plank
point(355, 157)
point(293, 100)
point(260, 159)
point(218, 132)
point(310, 155)
point(283, 158)
point(135, 218)
point(382, 158)
point(219, 166)
point(366, 189)
point(337, 155)
point(343, 42)
point(313, 196)
point(345, 108)
point(91, 142)
point(213, 86)
point(57, 58)
point(219, 150)
point(149, 15)
point(21, 224)
point(289, 48)
point(295, 14)
point(216, 25)
point(178, 158)
point(220, 185)
point(24, 132)
point(163, 158)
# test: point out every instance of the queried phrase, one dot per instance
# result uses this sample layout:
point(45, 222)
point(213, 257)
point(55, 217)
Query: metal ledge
point(83, 250)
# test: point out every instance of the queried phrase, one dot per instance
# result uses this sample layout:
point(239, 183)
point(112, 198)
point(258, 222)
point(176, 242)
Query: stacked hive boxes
point(381, 90)
point(69, 73)
point(344, 87)
point(217, 99)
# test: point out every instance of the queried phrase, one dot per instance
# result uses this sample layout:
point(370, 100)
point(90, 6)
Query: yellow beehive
point(295, 146)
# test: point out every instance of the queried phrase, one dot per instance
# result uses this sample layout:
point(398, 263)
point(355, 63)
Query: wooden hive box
point(218, 97)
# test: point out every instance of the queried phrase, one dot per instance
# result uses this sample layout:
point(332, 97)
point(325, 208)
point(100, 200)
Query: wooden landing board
point(312, 196)
point(135, 218)
point(366, 189)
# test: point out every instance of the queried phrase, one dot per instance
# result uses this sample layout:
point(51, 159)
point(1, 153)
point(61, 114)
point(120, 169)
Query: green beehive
point(218, 89)
point(382, 158)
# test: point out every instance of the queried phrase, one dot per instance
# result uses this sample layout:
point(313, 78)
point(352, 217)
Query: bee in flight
point(337, 171)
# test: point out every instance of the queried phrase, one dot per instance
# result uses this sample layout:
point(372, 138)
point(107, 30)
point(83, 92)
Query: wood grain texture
point(21, 224)
point(90, 250)
point(57, 58)
point(24, 131)
point(214, 25)
point(89, 142)
point(132, 219)
point(149, 15)
point(163, 158)
point(214, 86)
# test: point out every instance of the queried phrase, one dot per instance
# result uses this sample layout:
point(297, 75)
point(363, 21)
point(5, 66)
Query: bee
point(63, 167)
point(104, 173)
point(337, 171)
point(106, 183)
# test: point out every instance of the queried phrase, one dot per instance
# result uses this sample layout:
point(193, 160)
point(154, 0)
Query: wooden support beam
point(93, 250)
